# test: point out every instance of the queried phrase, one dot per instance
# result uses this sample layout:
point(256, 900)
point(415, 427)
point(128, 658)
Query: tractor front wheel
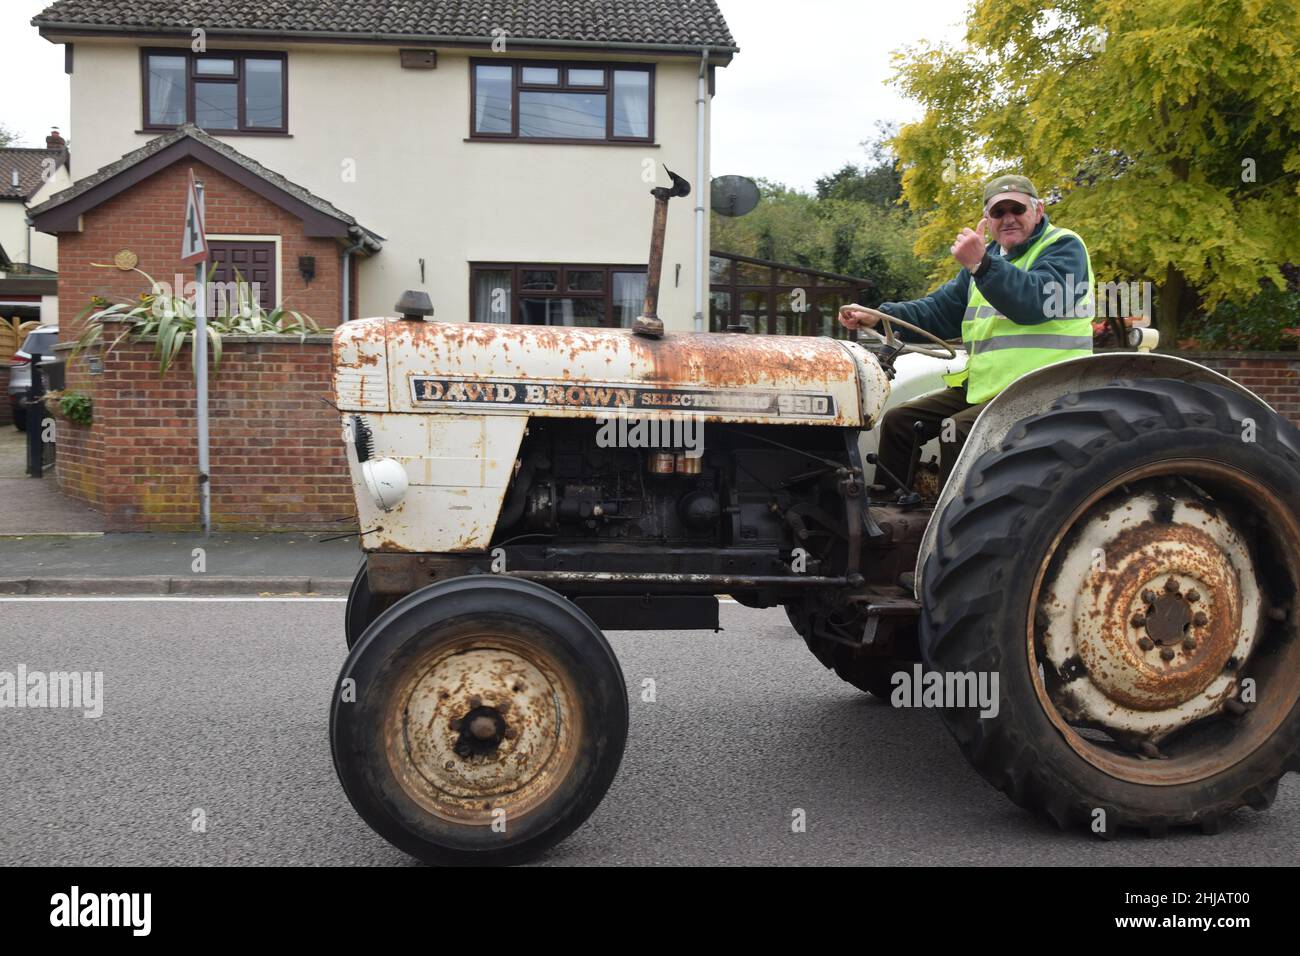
point(479, 721)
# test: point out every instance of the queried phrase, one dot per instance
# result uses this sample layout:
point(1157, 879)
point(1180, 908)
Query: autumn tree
point(1165, 132)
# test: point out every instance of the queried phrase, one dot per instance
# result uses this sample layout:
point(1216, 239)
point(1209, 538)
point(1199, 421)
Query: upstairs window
point(220, 91)
point(546, 102)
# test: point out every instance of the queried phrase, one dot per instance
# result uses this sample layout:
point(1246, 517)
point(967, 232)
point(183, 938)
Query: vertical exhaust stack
point(648, 322)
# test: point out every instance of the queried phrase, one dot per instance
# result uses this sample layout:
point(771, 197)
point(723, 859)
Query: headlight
point(386, 480)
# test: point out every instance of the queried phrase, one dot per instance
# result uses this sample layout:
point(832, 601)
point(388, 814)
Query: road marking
point(162, 597)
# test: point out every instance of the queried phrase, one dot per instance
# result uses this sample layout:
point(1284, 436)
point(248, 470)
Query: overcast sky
point(806, 88)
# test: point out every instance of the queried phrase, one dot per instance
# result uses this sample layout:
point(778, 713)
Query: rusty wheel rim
point(483, 730)
point(1146, 616)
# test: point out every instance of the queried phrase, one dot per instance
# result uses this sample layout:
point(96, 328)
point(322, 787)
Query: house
point(29, 259)
point(497, 156)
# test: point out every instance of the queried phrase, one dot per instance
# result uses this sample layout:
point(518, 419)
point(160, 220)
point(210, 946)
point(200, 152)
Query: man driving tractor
point(1006, 306)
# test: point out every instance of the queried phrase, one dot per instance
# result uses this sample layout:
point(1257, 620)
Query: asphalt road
point(221, 706)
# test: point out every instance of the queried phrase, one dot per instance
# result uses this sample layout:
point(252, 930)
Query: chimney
point(55, 141)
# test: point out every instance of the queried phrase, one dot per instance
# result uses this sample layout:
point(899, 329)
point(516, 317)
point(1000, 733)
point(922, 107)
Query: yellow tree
point(1167, 131)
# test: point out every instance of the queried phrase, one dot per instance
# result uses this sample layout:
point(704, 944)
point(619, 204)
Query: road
point(220, 706)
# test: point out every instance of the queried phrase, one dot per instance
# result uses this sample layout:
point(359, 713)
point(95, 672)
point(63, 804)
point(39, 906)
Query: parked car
point(40, 341)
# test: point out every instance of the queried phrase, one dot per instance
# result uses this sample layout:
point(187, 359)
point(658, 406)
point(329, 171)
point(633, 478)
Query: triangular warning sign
point(194, 244)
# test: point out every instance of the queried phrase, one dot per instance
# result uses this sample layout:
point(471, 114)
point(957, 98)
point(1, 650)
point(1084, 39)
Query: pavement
point(159, 563)
point(32, 505)
point(213, 749)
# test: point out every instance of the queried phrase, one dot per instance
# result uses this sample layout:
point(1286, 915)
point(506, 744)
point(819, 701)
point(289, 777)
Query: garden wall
point(277, 455)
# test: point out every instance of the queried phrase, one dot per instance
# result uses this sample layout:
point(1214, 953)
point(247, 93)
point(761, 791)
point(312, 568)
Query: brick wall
point(277, 458)
point(146, 219)
point(1273, 376)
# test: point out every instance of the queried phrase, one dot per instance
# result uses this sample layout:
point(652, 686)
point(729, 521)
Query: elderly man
point(1020, 302)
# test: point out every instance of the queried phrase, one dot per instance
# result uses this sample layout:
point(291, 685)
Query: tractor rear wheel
point(479, 720)
point(1126, 565)
point(867, 673)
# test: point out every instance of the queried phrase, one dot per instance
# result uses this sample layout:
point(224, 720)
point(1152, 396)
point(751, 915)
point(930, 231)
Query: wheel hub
point(1150, 608)
point(481, 728)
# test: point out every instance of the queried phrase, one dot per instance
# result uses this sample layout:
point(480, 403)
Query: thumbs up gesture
point(968, 249)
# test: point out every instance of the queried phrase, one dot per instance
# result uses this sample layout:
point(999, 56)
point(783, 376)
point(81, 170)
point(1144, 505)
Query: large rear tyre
point(478, 721)
point(1126, 564)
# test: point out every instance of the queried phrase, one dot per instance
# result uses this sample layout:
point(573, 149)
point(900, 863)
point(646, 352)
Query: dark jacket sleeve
point(939, 312)
point(1023, 295)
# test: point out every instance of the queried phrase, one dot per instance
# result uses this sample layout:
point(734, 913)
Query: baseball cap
point(1009, 187)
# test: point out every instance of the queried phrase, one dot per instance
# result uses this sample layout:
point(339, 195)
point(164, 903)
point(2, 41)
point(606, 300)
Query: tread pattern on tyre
point(965, 579)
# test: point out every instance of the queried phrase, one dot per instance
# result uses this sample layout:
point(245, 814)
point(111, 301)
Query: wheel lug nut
point(1138, 619)
point(1145, 643)
point(1167, 654)
point(503, 707)
point(511, 733)
point(1193, 595)
point(475, 701)
point(1148, 596)
point(455, 723)
point(1234, 706)
point(1171, 585)
point(1189, 643)
point(1200, 619)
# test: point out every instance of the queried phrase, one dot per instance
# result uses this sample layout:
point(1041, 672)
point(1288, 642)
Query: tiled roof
point(160, 143)
point(637, 22)
point(30, 166)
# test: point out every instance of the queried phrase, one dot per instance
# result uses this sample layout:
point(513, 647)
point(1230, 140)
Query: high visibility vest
point(1000, 351)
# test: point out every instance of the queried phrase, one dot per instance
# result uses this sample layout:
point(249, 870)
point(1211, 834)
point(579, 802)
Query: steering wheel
point(945, 351)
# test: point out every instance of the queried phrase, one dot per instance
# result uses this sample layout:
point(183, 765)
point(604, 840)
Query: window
point(581, 295)
point(777, 299)
point(222, 92)
point(550, 103)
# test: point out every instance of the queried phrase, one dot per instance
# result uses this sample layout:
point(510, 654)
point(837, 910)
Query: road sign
point(194, 244)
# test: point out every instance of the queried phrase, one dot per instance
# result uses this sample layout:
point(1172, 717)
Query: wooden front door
point(249, 262)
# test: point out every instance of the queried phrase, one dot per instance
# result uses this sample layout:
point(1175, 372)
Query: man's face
point(1011, 221)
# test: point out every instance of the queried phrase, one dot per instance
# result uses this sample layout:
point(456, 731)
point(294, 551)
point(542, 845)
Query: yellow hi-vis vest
point(1000, 351)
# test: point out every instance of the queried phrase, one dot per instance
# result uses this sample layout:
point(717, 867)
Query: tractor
point(1118, 542)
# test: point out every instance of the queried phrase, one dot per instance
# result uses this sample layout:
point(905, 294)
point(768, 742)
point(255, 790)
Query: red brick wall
point(146, 219)
point(1273, 376)
point(277, 457)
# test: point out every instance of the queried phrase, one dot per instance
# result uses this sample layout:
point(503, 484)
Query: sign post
point(194, 251)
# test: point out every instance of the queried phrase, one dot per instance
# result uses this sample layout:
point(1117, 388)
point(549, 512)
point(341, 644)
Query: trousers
point(898, 432)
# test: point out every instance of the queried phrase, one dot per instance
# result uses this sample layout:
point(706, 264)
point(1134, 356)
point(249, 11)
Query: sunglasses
point(1002, 208)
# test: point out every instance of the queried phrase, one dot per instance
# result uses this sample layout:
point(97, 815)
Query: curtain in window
point(629, 297)
point(167, 90)
point(631, 103)
point(492, 295)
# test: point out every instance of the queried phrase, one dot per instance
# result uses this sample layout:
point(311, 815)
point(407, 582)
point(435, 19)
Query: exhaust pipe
point(648, 322)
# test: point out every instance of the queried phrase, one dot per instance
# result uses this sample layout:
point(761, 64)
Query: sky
point(808, 84)
point(805, 90)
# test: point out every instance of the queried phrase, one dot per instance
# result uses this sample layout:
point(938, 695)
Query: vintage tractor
point(1119, 543)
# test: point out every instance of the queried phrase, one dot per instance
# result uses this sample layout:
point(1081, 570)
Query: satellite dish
point(734, 195)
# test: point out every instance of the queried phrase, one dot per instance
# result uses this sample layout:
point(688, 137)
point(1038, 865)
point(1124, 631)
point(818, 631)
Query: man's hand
point(969, 247)
point(854, 316)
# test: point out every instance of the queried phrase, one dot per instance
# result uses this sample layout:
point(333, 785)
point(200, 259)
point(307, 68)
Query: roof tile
point(642, 22)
